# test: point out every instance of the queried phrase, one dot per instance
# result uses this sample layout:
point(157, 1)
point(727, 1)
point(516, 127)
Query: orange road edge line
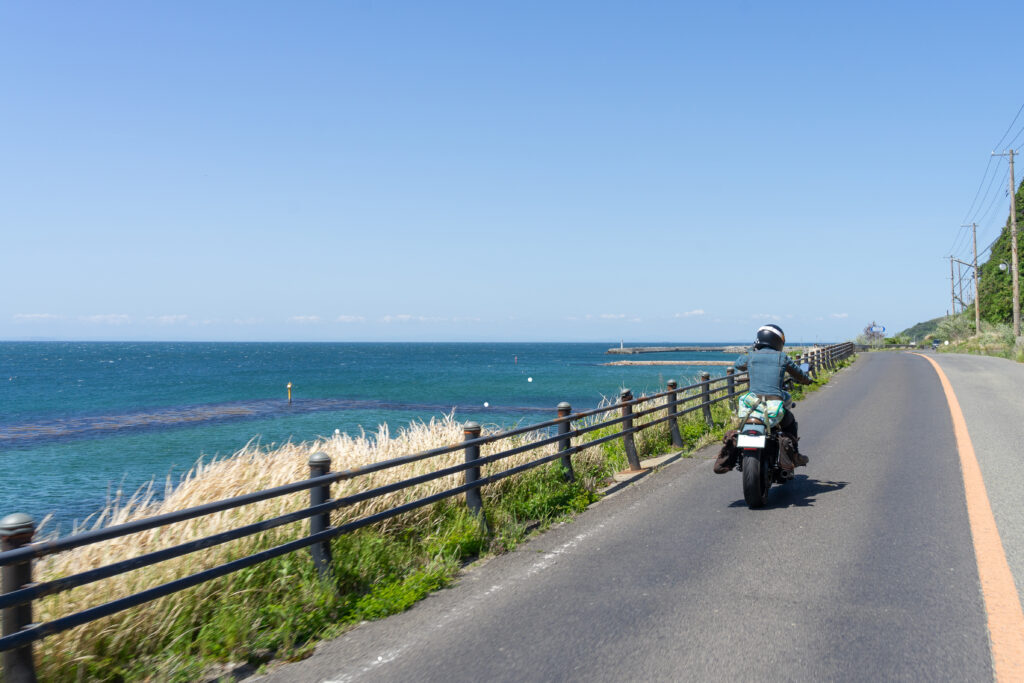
point(1002, 603)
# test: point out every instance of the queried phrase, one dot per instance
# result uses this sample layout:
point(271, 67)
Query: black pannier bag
point(729, 453)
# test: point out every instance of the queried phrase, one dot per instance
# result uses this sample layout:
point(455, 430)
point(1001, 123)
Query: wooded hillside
point(993, 283)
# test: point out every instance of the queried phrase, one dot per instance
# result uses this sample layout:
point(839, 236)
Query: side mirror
point(805, 368)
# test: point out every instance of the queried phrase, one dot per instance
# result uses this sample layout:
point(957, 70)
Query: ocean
point(81, 420)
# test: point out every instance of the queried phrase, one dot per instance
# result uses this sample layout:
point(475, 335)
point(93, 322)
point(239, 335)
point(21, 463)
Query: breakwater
point(672, 362)
point(677, 349)
point(734, 348)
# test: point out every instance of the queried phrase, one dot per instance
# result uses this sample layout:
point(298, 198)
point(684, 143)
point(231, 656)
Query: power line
point(978, 191)
point(968, 218)
point(995, 204)
point(996, 146)
point(989, 247)
point(1014, 140)
point(995, 238)
point(988, 190)
point(959, 243)
point(964, 242)
point(957, 239)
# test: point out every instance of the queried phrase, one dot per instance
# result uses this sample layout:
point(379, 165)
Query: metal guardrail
point(17, 551)
point(891, 347)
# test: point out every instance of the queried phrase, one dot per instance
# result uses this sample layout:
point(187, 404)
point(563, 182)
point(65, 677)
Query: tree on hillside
point(922, 330)
point(994, 288)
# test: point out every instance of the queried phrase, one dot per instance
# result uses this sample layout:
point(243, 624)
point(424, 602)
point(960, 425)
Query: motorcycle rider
point(767, 366)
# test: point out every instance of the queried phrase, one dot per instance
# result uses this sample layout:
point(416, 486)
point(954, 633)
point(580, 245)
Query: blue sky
point(563, 171)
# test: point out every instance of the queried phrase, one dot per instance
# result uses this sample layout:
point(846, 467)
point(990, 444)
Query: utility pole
point(977, 297)
point(952, 288)
point(1013, 243)
point(958, 288)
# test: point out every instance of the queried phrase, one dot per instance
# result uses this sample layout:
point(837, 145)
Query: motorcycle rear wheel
point(756, 481)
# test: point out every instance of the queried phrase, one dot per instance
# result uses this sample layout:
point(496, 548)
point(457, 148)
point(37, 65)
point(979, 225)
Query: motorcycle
point(759, 451)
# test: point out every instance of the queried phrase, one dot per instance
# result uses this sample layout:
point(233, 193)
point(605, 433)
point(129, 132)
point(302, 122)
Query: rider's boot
point(799, 458)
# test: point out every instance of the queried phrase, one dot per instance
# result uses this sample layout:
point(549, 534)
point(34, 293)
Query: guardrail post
point(705, 398)
point(474, 499)
point(627, 439)
point(673, 422)
point(730, 383)
point(319, 465)
point(16, 531)
point(565, 443)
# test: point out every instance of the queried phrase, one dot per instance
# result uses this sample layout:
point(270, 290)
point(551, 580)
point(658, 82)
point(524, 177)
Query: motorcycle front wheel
point(756, 481)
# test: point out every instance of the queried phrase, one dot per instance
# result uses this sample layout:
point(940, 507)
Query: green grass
point(277, 609)
point(994, 340)
point(801, 390)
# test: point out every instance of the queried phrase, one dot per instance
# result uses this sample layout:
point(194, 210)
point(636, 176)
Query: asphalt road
point(862, 568)
point(991, 395)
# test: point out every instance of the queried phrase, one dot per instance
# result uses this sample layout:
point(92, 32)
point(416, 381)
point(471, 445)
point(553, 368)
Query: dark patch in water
point(95, 426)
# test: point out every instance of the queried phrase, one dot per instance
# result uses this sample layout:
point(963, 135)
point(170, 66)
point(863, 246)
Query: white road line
point(391, 654)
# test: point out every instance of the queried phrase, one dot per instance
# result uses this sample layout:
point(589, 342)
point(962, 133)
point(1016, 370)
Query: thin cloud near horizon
point(36, 316)
point(107, 318)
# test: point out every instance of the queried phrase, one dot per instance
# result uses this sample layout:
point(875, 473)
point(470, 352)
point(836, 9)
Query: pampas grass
point(158, 625)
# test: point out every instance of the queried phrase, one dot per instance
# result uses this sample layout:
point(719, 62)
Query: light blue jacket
point(767, 368)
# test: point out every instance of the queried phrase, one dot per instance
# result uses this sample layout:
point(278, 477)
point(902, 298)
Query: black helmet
point(770, 335)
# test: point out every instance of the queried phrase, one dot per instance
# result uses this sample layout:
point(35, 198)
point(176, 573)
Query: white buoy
point(486, 404)
point(529, 379)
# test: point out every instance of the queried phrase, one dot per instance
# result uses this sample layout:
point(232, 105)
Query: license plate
point(747, 441)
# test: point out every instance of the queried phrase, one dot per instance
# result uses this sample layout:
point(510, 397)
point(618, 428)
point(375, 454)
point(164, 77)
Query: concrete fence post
point(319, 465)
point(16, 531)
point(474, 499)
point(705, 398)
point(627, 439)
point(565, 443)
point(673, 421)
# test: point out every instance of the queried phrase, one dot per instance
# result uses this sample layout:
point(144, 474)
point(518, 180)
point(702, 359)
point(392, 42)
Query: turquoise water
point(80, 420)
